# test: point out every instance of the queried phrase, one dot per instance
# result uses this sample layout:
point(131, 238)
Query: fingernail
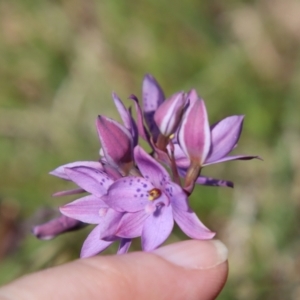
point(194, 254)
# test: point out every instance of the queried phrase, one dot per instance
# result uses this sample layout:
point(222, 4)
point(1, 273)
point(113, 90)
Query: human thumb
point(184, 270)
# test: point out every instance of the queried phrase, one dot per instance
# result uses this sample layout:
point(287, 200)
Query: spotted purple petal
point(150, 168)
point(93, 181)
point(177, 195)
point(129, 194)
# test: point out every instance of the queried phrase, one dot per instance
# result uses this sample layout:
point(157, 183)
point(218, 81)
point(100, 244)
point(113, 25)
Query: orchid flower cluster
point(133, 193)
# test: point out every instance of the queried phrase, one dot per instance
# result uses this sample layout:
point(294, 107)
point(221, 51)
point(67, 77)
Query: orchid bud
point(56, 227)
point(194, 133)
point(116, 143)
point(169, 113)
point(153, 97)
point(127, 118)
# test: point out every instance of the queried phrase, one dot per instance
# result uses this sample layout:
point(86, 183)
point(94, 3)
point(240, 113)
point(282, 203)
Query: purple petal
point(131, 225)
point(93, 181)
point(116, 142)
point(214, 182)
point(234, 157)
point(60, 171)
point(162, 156)
point(153, 97)
point(194, 133)
point(55, 227)
point(191, 225)
point(158, 226)
point(85, 209)
point(93, 245)
point(224, 136)
point(111, 172)
point(134, 129)
point(124, 246)
point(109, 224)
point(192, 96)
point(125, 116)
point(150, 168)
point(169, 113)
point(128, 194)
point(68, 192)
point(140, 121)
point(177, 195)
point(182, 161)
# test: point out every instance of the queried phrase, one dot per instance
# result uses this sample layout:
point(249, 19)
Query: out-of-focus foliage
point(59, 62)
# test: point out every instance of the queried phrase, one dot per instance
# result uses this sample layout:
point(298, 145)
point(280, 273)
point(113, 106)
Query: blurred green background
point(59, 63)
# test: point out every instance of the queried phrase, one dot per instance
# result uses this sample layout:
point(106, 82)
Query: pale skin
point(184, 270)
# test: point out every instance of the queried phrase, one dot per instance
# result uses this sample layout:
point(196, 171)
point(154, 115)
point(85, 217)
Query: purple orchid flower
point(132, 195)
point(209, 147)
point(151, 204)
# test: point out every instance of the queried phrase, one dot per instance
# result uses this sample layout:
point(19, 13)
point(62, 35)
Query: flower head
point(130, 193)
